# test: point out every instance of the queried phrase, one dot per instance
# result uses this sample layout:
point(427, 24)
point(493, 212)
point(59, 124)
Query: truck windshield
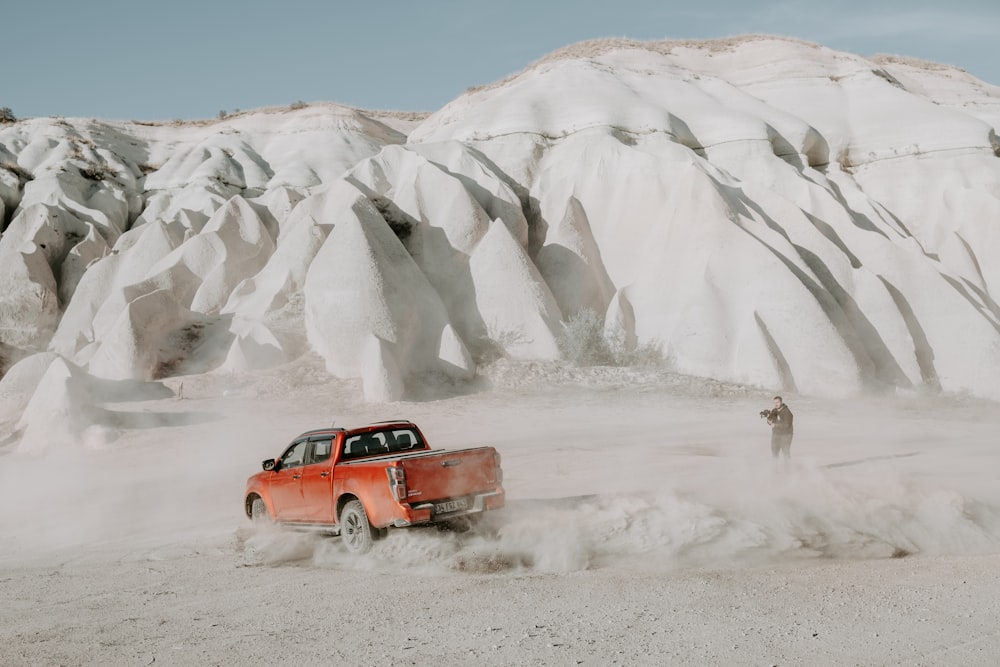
point(381, 442)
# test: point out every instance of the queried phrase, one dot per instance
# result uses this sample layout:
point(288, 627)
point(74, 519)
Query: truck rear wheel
point(354, 528)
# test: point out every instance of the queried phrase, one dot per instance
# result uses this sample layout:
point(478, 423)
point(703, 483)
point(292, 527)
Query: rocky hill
point(766, 211)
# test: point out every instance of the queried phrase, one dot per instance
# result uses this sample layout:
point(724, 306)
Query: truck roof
point(357, 429)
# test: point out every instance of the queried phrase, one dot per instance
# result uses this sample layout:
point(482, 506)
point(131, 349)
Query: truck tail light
point(496, 464)
point(397, 481)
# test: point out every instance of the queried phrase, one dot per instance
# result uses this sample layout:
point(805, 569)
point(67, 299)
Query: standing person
point(780, 420)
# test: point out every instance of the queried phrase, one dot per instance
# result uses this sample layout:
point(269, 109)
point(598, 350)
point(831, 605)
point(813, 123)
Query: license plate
point(451, 506)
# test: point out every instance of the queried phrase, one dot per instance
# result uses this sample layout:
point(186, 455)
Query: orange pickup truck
point(360, 482)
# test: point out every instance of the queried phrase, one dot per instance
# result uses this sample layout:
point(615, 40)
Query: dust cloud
point(595, 477)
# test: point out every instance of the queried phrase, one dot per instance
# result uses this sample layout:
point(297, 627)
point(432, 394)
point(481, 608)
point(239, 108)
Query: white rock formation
point(59, 412)
point(763, 205)
point(765, 210)
point(514, 302)
point(381, 378)
point(145, 340)
point(29, 302)
point(252, 349)
point(19, 383)
point(570, 262)
point(363, 283)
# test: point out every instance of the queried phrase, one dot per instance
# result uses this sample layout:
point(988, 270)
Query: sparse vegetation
point(595, 48)
point(97, 172)
point(889, 59)
point(410, 116)
point(491, 347)
point(645, 355)
point(297, 104)
point(584, 342)
point(7, 116)
point(22, 174)
point(484, 350)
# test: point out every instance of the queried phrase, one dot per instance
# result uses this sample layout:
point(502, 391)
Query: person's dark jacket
point(781, 419)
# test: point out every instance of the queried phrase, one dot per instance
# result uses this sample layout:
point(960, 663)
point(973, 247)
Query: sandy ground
point(646, 524)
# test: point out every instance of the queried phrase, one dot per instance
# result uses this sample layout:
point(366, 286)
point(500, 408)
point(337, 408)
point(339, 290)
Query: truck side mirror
point(269, 464)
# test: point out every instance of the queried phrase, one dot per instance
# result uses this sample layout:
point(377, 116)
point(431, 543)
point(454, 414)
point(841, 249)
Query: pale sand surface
point(645, 525)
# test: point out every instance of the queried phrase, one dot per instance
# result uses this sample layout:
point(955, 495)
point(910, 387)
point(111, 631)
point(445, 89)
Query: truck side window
point(353, 447)
point(295, 455)
point(321, 451)
point(404, 439)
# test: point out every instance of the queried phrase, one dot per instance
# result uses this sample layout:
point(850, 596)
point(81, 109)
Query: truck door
point(286, 483)
point(317, 481)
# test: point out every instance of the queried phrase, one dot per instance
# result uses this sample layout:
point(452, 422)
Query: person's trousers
point(781, 443)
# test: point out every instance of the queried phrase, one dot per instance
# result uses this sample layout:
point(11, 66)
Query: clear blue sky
point(139, 59)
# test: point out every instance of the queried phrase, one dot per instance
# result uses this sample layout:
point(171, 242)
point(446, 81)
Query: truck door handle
point(325, 473)
point(296, 476)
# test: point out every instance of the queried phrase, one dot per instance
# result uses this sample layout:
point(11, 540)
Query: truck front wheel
point(354, 528)
point(258, 511)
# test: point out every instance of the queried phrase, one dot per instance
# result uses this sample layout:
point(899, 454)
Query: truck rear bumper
point(425, 512)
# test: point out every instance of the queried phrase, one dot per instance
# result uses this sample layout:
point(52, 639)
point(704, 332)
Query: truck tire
point(258, 511)
point(355, 529)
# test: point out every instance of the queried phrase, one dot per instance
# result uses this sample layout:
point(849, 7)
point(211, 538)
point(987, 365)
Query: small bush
point(643, 355)
point(297, 104)
point(584, 342)
point(7, 116)
point(484, 350)
point(493, 346)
